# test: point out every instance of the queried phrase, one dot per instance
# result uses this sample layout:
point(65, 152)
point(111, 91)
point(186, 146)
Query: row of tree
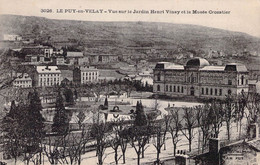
point(25, 135)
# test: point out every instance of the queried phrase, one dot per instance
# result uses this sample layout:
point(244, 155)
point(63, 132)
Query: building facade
point(22, 80)
point(47, 76)
point(199, 79)
point(87, 74)
point(103, 58)
point(74, 57)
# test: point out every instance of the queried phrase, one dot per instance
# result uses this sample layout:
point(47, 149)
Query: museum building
point(199, 79)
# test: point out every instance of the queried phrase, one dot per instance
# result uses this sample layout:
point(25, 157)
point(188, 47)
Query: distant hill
point(117, 37)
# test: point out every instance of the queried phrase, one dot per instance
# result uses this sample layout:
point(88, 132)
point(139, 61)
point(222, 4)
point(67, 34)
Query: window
point(159, 77)
point(202, 91)
point(229, 82)
point(207, 91)
point(242, 80)
point(178, 89)
point(182, 89)
point(238, 82)
point(211, 91)
point(216, 92)
point(170, 88)
point(220, 92)
point(167, 88)
point(174, 88)
point(158, 88)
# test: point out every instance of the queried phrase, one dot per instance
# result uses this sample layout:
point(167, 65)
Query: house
point(74, 57)
point(59, 60)
point(83, 61)
point(12, 37)
point(46, 76)
point(23, 80)
point(102, 58)
point(85, 74)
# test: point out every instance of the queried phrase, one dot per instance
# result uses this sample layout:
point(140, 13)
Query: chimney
point(181, 158)
point(253, 131)
point(214, 144)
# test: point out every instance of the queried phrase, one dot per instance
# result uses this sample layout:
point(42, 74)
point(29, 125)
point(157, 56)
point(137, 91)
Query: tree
point(217, 113)
point(98, 132)
point(115, 143)
point(139, 136)
point(68, 96)
point(229, 109)
point(190, 120)
point(203, 119)
point(33, 124)
point(160, 133)
point(13, 132)
point(140, 118)
point(174, 128)
point(60, 121)
point(123, 139)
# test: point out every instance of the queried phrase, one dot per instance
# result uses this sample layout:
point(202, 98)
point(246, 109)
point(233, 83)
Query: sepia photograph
point(140, 82)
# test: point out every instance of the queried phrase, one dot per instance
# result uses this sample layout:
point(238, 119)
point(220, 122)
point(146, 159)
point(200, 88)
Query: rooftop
point(169, 65)
point(74, 54)
point(213, 68)
point(235, 67)
point(197, 62)
point(47, 69)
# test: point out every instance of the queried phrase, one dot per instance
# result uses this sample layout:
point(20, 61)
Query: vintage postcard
point(130, 82)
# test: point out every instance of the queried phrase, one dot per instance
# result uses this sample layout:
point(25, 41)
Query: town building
point(22, 80)
point(197, 78)
point(12, 37)
point(59, 60)
point(73, 57)
point(47, 76)
point(85, 74)
point(103, 58)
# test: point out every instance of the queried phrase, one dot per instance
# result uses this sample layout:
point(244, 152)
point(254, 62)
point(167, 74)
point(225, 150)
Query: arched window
point(158, 88)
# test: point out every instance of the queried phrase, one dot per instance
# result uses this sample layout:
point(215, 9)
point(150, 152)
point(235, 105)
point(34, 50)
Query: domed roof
point(197, 62)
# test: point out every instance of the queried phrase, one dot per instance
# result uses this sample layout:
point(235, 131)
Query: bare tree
point(51, 149)
point(174, 127)
point(115, 143)
point(217, 111)
point(203, 120)
point(229, 107)
point(99, 132)
point(190, 120)
point(138, 139)
point(160, 133)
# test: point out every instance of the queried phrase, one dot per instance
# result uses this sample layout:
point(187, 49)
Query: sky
point(244, 15)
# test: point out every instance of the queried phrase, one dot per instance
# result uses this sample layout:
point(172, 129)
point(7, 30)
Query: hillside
point(117, 37)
